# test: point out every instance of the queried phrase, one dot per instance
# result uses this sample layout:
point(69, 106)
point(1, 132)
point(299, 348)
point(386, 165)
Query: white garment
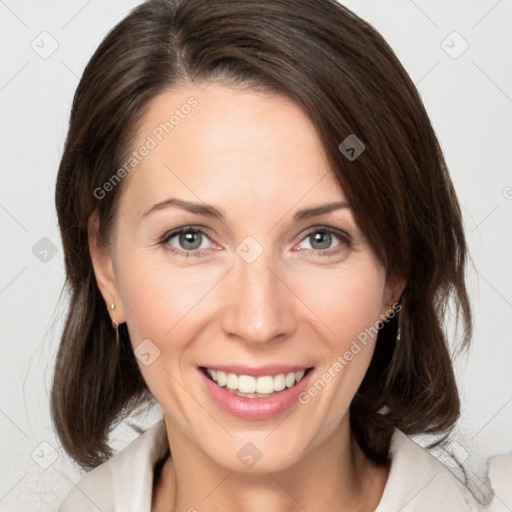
point(417, 480)
point(500, 476)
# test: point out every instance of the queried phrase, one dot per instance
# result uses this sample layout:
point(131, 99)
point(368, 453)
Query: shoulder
point(419, 482)
point(500, 478)
point(125, 481)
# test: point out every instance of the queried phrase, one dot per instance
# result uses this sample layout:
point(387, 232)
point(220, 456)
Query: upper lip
point(269, 369)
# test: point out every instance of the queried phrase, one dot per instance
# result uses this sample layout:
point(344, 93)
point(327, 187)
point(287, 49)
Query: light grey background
point(467, 94)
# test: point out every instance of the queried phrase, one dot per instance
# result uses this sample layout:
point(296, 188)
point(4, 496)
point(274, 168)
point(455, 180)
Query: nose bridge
point(259, 310)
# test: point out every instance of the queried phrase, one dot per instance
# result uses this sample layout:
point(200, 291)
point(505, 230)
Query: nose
point(259, 307)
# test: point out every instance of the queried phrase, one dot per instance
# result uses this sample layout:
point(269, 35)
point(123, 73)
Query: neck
point(335, 475)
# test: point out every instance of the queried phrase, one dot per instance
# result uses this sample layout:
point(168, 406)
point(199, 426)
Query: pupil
point(190, 240)
point(321, 240)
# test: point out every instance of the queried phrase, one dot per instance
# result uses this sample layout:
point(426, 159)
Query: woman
point(252, 195)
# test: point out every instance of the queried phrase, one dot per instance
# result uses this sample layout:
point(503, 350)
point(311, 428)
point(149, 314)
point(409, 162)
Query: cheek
point(348, 301)
point(146, 303)
point(151, 296)
point(157, 309)
point(160, 298)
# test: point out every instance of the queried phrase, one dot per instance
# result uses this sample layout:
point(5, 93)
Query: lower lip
point(255, 408)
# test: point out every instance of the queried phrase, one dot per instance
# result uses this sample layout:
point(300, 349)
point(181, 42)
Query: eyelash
point(344, 238)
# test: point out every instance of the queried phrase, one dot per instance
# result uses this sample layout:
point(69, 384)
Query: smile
point(281, 386)
point(254, 387)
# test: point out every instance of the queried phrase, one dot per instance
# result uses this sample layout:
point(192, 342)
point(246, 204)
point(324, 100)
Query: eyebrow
point(320, 210)
point(210, 211)
point(198, 208)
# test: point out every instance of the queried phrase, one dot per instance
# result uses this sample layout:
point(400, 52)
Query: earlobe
point(103, 267)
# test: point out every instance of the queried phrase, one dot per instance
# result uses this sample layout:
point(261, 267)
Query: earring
point(115, 325)
point(398, 334)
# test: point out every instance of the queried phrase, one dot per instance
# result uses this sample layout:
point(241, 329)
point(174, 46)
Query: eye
point(187, 239)
point(324, 240)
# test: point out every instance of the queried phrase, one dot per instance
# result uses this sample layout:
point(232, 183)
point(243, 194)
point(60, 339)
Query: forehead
point(228, 145)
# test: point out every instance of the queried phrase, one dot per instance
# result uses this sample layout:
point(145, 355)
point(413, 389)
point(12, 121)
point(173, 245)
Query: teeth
point(220, 377)
point(265, 384)
point(232, 381)
point(246, 385)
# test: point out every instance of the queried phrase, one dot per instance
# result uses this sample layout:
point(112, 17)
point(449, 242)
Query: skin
point(257, 158)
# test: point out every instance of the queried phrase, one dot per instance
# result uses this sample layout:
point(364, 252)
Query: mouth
point(255, 386)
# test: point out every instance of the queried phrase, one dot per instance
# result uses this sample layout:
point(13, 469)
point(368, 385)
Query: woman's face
point(264, 281)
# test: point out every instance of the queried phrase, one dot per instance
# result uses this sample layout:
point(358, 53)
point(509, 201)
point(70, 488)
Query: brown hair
point(348, 81)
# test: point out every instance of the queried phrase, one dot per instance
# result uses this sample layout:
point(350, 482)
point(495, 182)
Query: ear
point(391, 295)
point(103, 266)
